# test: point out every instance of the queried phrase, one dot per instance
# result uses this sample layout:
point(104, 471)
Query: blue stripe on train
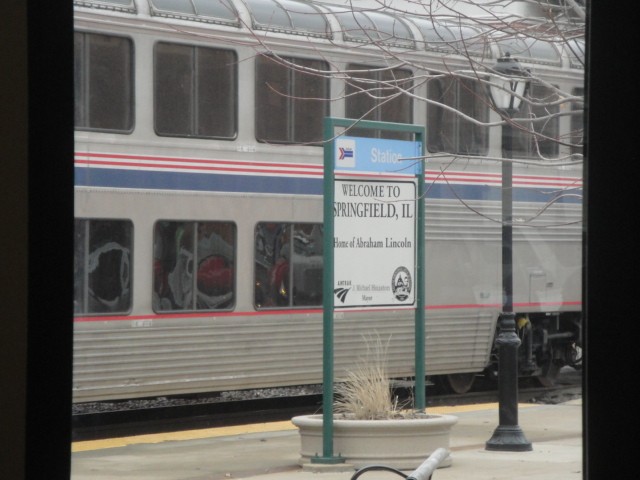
point(105, 177)
point(493, 193)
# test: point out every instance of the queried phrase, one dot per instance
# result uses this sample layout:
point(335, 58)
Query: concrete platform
point(270, 451)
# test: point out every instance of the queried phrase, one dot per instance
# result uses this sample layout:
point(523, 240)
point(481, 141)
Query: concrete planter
point(399, 443)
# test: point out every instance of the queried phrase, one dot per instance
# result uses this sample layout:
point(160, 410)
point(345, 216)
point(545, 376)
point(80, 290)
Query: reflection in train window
point(102, 266)
point(288, 265)
point(103, 82)
point(193, 265)
point(448, 131)
point(290, 102)
point(376, 94)
point(195, 91)
point(543, 122)
point(577, 122)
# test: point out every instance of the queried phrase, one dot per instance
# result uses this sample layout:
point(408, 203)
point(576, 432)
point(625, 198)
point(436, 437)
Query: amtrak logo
point(345, 153)
point(401, 283)
point(341, 293)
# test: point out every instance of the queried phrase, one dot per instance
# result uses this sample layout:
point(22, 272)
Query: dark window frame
point(193, 100)
point(577, 124)
point(266, 94)
point(525, 145)
point(84, 120)
point(161, 280)
point(275, 265)
point(379, 110)
point(82, 254)
point(442, 124)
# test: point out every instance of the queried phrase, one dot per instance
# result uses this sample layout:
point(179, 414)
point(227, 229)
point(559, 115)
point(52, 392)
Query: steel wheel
point(547, 377)
point(460, 382)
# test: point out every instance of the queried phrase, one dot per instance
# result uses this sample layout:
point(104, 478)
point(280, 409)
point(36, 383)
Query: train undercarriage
point(548, 342)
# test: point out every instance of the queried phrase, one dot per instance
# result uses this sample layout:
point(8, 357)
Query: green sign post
point(377, 168)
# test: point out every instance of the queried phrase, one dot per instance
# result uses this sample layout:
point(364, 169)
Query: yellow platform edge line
point(87, 445)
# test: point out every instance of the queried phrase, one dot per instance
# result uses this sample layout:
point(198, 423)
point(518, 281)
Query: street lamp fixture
point(508, 85)
point(509, 82)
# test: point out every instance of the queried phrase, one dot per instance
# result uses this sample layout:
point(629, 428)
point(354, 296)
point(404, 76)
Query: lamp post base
point(509, 438)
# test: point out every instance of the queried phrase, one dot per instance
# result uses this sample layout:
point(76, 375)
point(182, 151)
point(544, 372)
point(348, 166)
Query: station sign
point(374, 222)
point(372, 209)
point(377, 156)
point(374, 243)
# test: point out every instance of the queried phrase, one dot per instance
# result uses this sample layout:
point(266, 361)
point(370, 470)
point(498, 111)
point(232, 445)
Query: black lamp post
point(509, 82)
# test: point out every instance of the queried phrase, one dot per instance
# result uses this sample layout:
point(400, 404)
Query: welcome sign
point(373, 208)
point(374, 243)
point(374, 214)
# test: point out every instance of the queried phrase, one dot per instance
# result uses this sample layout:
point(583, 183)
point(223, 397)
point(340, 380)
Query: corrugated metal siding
point(173, 357)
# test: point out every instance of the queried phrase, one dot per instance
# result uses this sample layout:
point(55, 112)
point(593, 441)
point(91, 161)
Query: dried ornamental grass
point(365, 393)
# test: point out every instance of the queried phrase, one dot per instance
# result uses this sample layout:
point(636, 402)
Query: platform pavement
point(555, 432)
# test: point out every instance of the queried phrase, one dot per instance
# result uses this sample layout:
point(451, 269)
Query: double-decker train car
point(199, 182)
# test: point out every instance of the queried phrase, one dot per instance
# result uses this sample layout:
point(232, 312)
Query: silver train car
point(198, 196)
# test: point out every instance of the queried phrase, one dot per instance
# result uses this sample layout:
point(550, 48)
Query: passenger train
point(199, 193)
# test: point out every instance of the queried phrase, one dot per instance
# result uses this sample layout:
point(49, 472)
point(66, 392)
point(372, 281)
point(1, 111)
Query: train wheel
point(460, 382)
point(549, 374)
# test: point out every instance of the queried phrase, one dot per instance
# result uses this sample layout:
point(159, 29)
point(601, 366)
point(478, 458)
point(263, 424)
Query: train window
point(531, 49)
point(195, 91)
point(102, 266)
point(449, 132)
point(290, 103)
point(288, 16)
point(376, 94)
point(103, 82)
point(193, 265)
point(221, 11)
point(373, 27)
point(543, 142)
point(269, 14)
point(576, 50)
point(577, 123)
point(444, 37)
point(288, 265)
point(117, 5)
